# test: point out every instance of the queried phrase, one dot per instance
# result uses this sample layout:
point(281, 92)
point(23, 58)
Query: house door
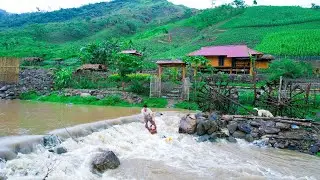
point(234, 63)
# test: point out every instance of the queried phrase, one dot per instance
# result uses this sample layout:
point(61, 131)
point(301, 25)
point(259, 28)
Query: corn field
point(9, 70)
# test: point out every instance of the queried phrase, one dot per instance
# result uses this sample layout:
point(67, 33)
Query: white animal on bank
point(263, 113)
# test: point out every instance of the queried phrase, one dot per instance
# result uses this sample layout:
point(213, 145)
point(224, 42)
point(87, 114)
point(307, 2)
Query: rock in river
point(104, 161)
point(188, 124)
point(245, 127)
point(239, 134)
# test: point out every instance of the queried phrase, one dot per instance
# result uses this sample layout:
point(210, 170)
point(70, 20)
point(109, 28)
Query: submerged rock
point(188, 124)
point(232, 139)
point(3, 176)
point(239, 135)
point(104, 161)
point(249, 138)
point(60, 150)
point(51, 141)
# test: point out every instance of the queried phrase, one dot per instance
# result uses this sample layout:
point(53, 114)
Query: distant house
point(132, 52)
point(233, 59)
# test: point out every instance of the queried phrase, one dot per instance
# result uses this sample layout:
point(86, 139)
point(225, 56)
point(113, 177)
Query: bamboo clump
point(9, 70)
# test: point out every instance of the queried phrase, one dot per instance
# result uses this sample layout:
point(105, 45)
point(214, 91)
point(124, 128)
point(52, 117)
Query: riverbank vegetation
point(113, 100)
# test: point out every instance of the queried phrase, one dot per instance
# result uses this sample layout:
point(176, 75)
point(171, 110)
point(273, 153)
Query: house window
point(221, 60)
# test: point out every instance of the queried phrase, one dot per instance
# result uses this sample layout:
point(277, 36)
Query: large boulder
point(188, 124)
point(232, 127)
point(239, 135)
point(104, 161)
point(213, 127)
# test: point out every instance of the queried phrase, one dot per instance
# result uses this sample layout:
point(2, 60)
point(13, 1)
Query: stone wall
point(38, 80)
point(281, 132)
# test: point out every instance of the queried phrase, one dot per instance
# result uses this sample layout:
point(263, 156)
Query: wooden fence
point(9, 70)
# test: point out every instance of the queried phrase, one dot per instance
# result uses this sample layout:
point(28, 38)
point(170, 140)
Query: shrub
point(156, 102)
point(289, 69)
point(187, 105)
point(62, 78)
point(139, 87)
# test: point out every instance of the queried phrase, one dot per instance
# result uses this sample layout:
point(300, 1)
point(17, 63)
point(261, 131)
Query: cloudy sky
point(18, 6)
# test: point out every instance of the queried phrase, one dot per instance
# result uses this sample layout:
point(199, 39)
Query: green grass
point(114, 100)
point(187, 105)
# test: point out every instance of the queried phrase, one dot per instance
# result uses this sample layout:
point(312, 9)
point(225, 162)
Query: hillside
point(287, 31)
point(163, 29)
point(62, 33)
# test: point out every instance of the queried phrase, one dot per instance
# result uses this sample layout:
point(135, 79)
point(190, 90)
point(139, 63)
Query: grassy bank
point(107, 101)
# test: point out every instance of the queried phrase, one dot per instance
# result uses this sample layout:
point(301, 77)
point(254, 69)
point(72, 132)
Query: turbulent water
point(178, 156)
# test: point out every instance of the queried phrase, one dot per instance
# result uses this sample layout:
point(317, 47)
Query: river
point(27, 117)
point(166, 155)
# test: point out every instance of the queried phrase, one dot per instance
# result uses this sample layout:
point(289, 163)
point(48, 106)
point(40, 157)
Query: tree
point(102, 53)
point(289, 69)
point(314, 6)
point(125, 64)
point(239, 3)
point(255, 2)
point(195, 62)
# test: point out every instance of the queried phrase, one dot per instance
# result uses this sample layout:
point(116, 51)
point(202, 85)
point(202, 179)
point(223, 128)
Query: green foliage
point(139, 87)
point(281, 43)
point(156, 102)
point(187, 105)
point(239, 3)
point(103, 53)
point(127, 64)
point(63, 78)
point(289, 69)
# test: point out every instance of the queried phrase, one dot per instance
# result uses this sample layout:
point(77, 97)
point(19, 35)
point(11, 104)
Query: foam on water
point(146, 156)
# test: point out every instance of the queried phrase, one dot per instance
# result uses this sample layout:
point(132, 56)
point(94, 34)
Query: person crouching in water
point(149, 117)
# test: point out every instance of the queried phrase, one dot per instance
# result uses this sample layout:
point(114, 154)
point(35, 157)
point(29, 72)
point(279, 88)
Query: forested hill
point(163, 29)
point(143, 10)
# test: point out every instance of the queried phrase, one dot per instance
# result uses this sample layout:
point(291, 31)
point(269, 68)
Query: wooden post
point(183, 72)
point(280, 87)
point(159, 71)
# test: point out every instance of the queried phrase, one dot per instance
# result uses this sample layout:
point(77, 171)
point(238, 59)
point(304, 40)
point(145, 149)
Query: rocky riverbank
point(37, 80)
point(41, 81)
point(284, 133)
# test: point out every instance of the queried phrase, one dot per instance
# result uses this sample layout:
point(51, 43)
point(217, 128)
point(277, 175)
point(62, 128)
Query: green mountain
point(163, 29)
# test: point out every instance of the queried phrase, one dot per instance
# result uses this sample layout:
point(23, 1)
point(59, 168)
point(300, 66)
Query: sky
point(20, 6)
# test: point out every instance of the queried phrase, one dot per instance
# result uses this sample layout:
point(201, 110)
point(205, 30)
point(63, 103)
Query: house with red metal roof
point(233, 59)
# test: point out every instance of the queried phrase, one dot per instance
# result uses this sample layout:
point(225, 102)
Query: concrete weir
point(12, 145)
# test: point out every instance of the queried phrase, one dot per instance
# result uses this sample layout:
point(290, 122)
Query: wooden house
point(233, 59)
point(132, 52)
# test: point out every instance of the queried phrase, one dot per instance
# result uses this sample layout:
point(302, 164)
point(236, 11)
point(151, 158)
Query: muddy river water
point(166, 155)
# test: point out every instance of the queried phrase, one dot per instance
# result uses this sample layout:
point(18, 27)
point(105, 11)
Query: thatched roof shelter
point(92, 67)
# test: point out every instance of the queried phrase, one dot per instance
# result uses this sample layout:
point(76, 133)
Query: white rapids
point(146, 156)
